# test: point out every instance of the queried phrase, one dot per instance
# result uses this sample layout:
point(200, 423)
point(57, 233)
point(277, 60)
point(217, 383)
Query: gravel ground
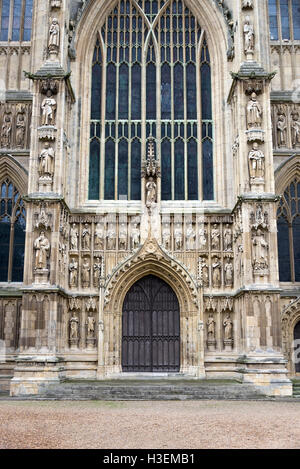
point(161, 425)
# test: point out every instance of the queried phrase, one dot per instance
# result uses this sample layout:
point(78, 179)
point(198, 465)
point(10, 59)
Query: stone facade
point(81, 257)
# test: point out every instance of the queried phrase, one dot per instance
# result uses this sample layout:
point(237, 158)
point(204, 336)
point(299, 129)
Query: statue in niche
point(73, 269)
point(74, 328)
point(151, 192)
point(256, 163)
point(46, 166)
point(99, 236)
point(254, 113)
point(123, 236)
point(111, 237)
point(135, 236)
point(281, 130)
point(203, 267)
point(215, 238)
point(178, 237)
point(202, 238)
point(90, 323)
point(74, 237)
point(190, 237)
point(48, 109)
point(166, 236)
point(97, 271)
point(228, 269)
point(216, 278)
point(227, 236)
point(42, 248)
point(86, 238)
point(86, 273)
point(248, 36)
point(54, 33)
point(20, 130)
point(260, 251)
point(6, 131)
point(295, 128)
point(228, 327)
point(211, 328)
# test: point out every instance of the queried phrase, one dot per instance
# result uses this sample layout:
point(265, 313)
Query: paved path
point(162, 425)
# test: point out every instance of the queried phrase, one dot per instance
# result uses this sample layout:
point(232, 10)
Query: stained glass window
point(12, 233)
point(16, 20)
point(284, 17)
point(288, 224)
point(152, 65)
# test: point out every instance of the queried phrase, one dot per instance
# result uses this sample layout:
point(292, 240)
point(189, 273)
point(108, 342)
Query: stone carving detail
point(54, 38)
point(249, 38)
point(227, 238)
point(178, 236)
point(228, 271)
point(215, 238)
point(281, 129)
point(48, 109)
point(211, 333)
point(228, 332)
point(123, 236)
point(86, 238)
point(42, 248)
point(256, 165)
point(286, 125)
point(295, 129)
point(254, 112)
point(135, 236)
point(74, 237)
point(99, 237)
point(151, 171)
point(202, 238)
point(260, 245)
point(111, 237)
point(216, 273)
point(86, 268)
point(43, 219)
point(190, 237)
point(46, 167)
point(203, 271)
point(74, 332)
point(247, 4)
point(6, 131)
point(73, 270)
point(98, 271)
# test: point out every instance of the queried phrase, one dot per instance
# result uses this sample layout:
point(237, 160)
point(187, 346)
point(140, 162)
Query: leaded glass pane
point(296, 241)
point(273, 20)
point(4, 250)
point(296, 19)
point(4, 20)
point(19, 248)
point(285, 20)
point(284, 250)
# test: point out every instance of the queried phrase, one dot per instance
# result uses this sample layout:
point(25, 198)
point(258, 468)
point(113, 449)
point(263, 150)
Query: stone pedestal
point(74, 344)
point(211, 345)
point(228, 343)
point(45, 184)
point(41, 276)
point(34, 373)
point(90, 343)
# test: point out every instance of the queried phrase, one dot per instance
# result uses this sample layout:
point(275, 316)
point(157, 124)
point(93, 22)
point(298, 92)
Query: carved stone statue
point(215, 238)
point(97, 271)
point(46, 166)
point(256, 163)
point(295, 129)
point(202, 238)
point(99, 236)
point(111, 237)
point(73, 269)
point(281, 130)
point(254, 113)
point(54, 34)
point(135, 236)
point(204, 271)
point(90, 322)
point(166, 236)
point(228, 326)
point(48, 109)
point(248, 36)
point(227, 237)
point(123, 236)
point(20, 131)
point(74, 328)
point(228, 269)
point(247, 4)
point(6, 131)
point(86, 268)
point(86, 238)
point(74, 237)
point(211, 328)
point(260, 251)
point(151, 192)
point(216, 277)
point(42, 248)
point(190, 237)
point(178, 237)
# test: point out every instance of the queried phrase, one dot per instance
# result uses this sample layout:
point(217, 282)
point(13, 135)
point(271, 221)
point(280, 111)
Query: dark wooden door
point(151, 327)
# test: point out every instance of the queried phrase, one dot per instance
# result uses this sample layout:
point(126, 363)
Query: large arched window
point(288, 223)
point(12, 233)
point(151, 76)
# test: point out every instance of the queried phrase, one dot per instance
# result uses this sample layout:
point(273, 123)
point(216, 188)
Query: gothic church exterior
point(150, 191)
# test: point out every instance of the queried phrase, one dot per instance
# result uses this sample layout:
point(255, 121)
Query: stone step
point(118, 391)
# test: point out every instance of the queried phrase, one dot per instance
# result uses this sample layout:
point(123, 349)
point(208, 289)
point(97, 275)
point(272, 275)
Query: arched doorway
point(297, 337)
point(151, 327)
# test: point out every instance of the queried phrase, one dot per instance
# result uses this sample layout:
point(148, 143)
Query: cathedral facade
point(149, 174)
